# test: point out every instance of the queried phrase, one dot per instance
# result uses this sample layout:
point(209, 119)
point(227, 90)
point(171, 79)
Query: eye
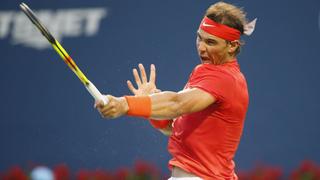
point(198, 37)
point(211, 42)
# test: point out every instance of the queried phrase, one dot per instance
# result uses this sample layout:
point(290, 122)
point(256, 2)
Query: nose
point(201, 47)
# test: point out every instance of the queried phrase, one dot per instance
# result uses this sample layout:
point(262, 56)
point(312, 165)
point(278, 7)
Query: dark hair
point(228, 15)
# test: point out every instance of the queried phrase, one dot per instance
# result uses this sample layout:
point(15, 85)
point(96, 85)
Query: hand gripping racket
point(64, 55)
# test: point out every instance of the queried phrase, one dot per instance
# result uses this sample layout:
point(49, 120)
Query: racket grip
point(95, 93)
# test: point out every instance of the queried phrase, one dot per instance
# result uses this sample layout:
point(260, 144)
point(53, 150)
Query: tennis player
point(205, 120)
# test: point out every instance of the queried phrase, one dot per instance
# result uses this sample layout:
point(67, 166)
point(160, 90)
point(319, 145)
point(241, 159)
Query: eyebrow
point(210, 39)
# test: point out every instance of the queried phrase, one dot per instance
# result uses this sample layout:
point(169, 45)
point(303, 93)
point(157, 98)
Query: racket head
point(56, 45)
point(33, 18)
point(61, 51)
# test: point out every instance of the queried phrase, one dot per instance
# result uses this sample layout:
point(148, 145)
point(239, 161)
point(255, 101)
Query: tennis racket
point(63, 54)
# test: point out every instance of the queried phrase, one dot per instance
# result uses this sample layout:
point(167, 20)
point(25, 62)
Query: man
point(209, 112)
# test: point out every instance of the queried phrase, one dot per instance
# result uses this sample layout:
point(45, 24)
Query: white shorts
point(184, 178)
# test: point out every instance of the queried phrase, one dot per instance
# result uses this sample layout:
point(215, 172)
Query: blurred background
point(47, 116)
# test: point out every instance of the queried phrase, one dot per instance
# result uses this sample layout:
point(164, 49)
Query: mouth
point(205, 60)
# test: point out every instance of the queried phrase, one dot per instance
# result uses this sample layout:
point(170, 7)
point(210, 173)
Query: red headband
point(219, 30)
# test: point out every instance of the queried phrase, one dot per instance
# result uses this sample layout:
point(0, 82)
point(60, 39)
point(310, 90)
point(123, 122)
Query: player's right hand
point(116, 107)
point(145, 87)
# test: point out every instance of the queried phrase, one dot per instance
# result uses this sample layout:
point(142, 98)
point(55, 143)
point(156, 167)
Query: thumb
point(100, 103)
point(156, 91)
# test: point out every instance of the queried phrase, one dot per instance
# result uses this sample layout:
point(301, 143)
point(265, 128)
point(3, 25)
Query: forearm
point(166, 105)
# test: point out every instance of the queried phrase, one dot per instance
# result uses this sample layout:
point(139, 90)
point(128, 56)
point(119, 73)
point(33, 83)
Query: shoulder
point(210, 70)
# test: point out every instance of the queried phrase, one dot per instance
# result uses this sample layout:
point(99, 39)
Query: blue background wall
point(48, 117)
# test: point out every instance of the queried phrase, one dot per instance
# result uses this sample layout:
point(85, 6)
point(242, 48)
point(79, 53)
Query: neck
point(226, 60)
point(229, 60)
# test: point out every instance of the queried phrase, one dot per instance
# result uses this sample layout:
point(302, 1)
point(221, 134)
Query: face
point(212, 49)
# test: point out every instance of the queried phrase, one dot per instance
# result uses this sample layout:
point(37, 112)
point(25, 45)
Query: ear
point(233, 46)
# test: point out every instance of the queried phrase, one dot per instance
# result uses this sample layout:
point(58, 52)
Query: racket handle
point(95, 93)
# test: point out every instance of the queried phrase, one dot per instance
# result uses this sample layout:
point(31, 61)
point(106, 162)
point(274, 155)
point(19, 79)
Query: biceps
point(194, 100)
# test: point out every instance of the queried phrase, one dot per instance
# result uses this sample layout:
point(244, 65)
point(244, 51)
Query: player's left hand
point(145, 87)
point(116, 107)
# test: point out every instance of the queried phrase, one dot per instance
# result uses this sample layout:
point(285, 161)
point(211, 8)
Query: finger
point(95, 104)
point(110, 105)
point(152, 73)
point(131, 87)
point(98, 104)
point(108, 112)
point(143, 73)
point(136, 77)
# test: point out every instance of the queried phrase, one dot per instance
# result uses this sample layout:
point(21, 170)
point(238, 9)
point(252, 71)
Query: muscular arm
point(169, 105)
point(165, 105)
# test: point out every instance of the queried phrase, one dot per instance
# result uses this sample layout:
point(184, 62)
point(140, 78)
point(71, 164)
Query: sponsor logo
point(61, 23)
point(207, 25)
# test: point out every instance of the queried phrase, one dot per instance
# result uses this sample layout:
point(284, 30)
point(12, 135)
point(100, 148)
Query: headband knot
point(224, 31)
